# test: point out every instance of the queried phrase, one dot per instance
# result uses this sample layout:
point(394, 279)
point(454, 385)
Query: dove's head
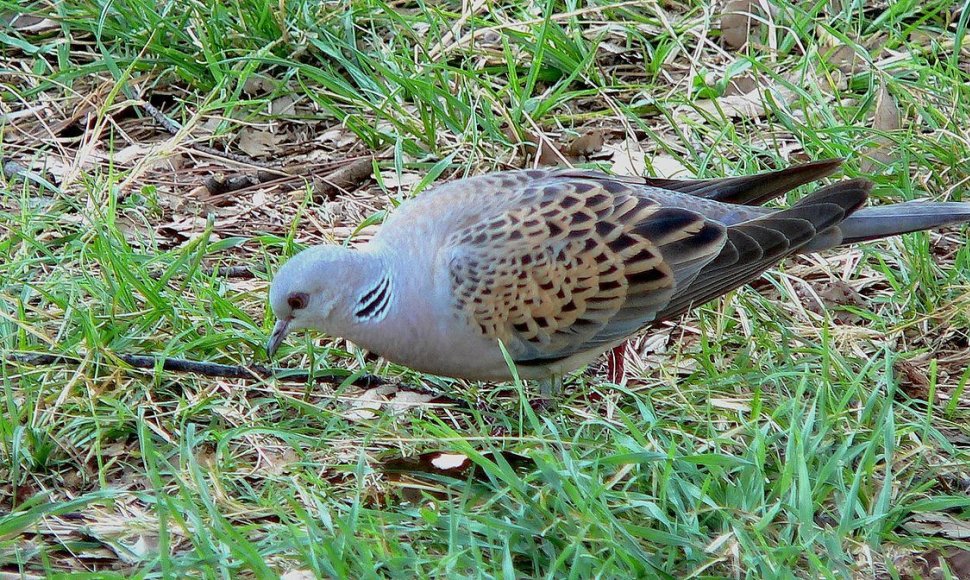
point(310, 290)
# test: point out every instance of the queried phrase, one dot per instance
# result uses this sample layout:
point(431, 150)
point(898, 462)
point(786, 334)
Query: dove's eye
point(297, 301)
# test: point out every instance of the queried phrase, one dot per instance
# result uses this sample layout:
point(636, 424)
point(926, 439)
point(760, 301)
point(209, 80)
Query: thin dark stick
point(244, 272)
point(178, 365)
point(12, 169)
point(168, 124)
point(234, 271)
point(347, 178)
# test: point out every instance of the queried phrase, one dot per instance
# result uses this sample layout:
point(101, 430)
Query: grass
point(763, 437)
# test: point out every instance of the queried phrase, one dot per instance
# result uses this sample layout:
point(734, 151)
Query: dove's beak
point(280, 331)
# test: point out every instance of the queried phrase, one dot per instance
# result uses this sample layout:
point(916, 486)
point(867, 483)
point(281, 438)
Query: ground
point(812, 425)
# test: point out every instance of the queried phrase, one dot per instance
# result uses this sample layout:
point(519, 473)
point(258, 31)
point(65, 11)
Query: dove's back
point(559, 265)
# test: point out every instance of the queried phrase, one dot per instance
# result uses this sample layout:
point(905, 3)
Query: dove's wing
point(756, 245)
point(581, 261)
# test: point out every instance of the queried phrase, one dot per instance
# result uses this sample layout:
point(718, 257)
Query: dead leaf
point(912, 380)
point(449, 464)
point(737, 22)
point(830, 298)
point(257, 143)
point(30, 24)
point(284, 105)
point(182, 229)
point(419, 476)
point(627, 157)
point(742, 84)
point(278, 462)
point(298, 575)
point(585, 145)
point(885, 119)
point(131, 550)
point(258, 85)
point(845, 58)
point(131, 153)
point(394, 180)
point(669, 167)
point(205, 455)
point(959, 561)
point(545, 152)
point(396, 399)
point(930, 564)
point(487, 38)
point(838, 293)
point(340, 137)
point(210, 126)
point(731, 405)
point(55, 168)
point(612, 47)
point(938, 524)
point(346, 178)
point(747, 106)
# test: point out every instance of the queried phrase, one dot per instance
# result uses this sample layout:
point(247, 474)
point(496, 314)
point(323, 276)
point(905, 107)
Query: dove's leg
point(549, 390)
point(551, 387)
point(615, 364)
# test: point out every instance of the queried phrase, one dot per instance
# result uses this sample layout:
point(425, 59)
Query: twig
point(347, 178)
point(160, 118)
point(221, 184)
point(243, 272)
point(178, 365)
point(246, 272)
point(12, 169)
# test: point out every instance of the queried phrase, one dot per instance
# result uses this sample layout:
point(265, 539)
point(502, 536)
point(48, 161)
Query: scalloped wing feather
point(575, 263)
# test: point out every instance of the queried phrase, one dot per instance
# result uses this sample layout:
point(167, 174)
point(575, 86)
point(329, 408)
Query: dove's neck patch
point(373, 304)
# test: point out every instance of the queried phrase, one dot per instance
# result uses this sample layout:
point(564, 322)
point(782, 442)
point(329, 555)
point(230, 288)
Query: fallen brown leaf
point(545, 152)
point(747, 106)
point(741, 84)
point(257, 143)
point(395, 399)
point(284, 105)
point(912, 380)
point(585, 145)
point(455, 465)
point(885, 119)
point(929, 564)
point(258, 85)
point(939, 524)
point(346, 178)
point(29, 23)
point(627, 157)
point(737, 22)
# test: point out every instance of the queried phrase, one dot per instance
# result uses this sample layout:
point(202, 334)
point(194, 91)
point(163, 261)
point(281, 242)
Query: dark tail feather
point(750, 189)
point(758, 244)
point(872, 223)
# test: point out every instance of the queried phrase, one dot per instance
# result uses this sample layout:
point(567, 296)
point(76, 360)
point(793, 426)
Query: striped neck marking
point(374, 303)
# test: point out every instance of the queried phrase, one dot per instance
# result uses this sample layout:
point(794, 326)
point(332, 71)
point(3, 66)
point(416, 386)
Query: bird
point(554, 267)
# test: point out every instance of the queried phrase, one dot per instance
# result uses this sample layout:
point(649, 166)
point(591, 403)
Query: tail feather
point(750, 189)
point(872, 223)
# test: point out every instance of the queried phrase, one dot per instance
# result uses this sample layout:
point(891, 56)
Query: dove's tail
point(872, 223)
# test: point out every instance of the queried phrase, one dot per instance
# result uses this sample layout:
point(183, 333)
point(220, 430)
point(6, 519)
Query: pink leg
point(615, 369)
